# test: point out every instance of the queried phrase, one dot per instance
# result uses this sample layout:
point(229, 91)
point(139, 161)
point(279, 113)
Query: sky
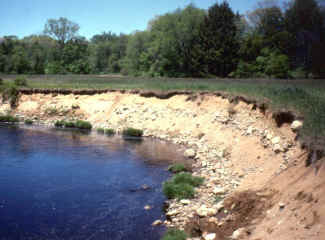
point(26, 17)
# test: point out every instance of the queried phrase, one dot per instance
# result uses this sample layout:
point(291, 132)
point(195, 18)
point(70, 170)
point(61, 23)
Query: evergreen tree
point(218, 43)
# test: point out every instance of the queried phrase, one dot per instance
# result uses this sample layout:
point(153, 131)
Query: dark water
point(63, 185)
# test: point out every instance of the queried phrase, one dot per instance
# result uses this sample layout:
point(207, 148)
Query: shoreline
point(235, 145)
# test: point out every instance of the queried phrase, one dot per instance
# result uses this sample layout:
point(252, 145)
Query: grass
point(110, 132)
point(132, 132)
point(304, 96)
point(177, 168)
point(181, 186)
point(8, 119)
point(79, 124)
point(28, 122)
point(174, 234)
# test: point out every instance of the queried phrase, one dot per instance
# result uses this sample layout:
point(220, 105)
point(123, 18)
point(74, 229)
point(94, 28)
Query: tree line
point(269, 41)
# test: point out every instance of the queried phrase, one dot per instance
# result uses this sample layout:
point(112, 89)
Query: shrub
point(69, 125)
point(1, 81)
point(11, 94)
point(21, 82)
point(59, 123)
point(8, 119)
point(174, 234)
point(100, 130)
point(177, 168)
point(28, 122)
point(83, 125)
point(132, 132)
point(181, 186)
point(109, 131)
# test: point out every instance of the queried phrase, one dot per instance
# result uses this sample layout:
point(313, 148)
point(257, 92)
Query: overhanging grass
point(304, 96)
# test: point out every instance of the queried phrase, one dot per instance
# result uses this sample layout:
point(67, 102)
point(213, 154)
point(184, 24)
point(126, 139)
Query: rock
point(238, 233)
point(276, 140)
point(269, 136)
point(172, 213)
point(185, 202)
point(190, 153)
point(157, 222)
point(210, 236)
point(203, 211)
point(219, 206)
point(218, 191)
point(296, 125)
point(282, 205)
point(277, 148)
point(147, 207)
point(250, 130)
point(145, 187)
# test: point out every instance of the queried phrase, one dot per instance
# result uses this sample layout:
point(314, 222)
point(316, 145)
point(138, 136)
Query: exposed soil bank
point(245, 152)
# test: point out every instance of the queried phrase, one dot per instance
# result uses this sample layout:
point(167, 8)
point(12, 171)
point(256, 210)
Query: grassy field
point(304, 96)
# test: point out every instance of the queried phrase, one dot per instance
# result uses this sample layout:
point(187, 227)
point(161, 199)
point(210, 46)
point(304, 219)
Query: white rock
point(218, 191)
point(250, 130)
point(276, 140)
point(220, 205)
point(277, 148)
point(202, 211)
point(185, 202)
point(189, 153)
point(147, 207)
point(156, 223)
point(210, 236)
point(172, 213)
point(238, 233)
point(296, 125)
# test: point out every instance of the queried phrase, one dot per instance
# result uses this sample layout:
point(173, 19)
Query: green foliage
point(21, 82)
point(277, 66)
point(100, 130)
point(181, 186)
point(110, 132)
point(177, 168)
point(174, 234)
point(132, 132)
point(83, 125)
point(1, 81)
point(8, 119)
point(11, 93)
point(28, 122)
point(59, 123)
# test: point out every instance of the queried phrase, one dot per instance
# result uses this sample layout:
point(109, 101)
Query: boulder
point(296, 125)
point(190, 153)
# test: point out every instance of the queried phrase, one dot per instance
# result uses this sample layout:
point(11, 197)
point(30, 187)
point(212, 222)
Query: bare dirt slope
point(241, 152)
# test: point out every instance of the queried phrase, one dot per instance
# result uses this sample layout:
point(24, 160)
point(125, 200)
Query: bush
point(59, 123)
point(69, 124)
point(83, 125)
point(1, 81)
point(174, 234)
point(28, 122)
point(109, 131)
point(177, 168)
point(181, 186)
point(132, 132)
point(100, 130)
point(11, 94)
point(8, 119)
point(21, 82)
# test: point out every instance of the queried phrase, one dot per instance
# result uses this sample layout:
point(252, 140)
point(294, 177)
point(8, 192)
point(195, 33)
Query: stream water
point(67, 185)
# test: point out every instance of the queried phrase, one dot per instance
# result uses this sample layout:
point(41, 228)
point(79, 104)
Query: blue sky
point(26, 17)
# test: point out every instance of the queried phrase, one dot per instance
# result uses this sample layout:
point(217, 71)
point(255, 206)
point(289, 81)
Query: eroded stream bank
point(235, 147)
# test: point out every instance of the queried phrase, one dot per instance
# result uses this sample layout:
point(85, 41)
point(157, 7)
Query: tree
point(62, 29)
point(218, 43)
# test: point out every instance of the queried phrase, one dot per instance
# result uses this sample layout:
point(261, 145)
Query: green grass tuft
point(83, 125)
point(177, 168)
point(132, 132)
point(174, 234)
point(28, 122)
point(21, 82)
point(8, 119)
point(181, 186)
point(110, 132)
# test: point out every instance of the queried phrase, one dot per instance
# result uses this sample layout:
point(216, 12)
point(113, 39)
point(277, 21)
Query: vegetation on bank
point(181, 186)
point(8, 119)
point(132, 132)
point(106, 131)
point(79, 124)
point(174, 234)
point(28, 122)
point(177, 168)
